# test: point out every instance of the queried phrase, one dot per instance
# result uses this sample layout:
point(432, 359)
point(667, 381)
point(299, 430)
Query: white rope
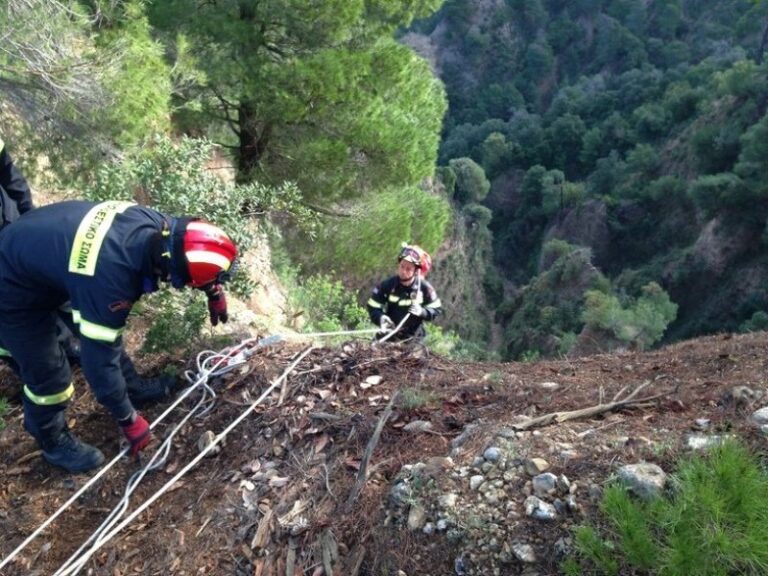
point(204, 376)
point(329, 334)
point(106, 538)
point(237, 359)
point(160, 456)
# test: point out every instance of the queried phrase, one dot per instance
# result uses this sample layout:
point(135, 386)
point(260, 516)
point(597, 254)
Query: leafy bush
point(471, 183)
point(553, 250)
point(477, 214)
point(713, 524)
point(642, 322)
point(328, 305)
point(758, 321)
point(177, 319)
point(172, 177)
point(447, 176)
point(713, 193)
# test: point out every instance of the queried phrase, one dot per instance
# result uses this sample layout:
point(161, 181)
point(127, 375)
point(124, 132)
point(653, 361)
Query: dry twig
point(557, 417)
point(362, 474)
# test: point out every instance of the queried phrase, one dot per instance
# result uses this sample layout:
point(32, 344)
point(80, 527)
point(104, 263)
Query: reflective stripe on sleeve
point(49, 399)
point(374, 304)
point(4, 352)
point(435, 304)
point(90, 235)
point(2, 145)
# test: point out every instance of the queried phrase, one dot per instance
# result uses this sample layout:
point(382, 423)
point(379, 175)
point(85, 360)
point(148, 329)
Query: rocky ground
point(465, 476)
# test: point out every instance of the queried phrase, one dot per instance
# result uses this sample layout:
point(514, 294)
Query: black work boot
point(143, 391)
point(62, 449)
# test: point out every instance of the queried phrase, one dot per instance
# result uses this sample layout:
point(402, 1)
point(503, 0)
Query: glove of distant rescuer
point(136, 430)
point(386, 324)
point(417, 309)
point(217, 304)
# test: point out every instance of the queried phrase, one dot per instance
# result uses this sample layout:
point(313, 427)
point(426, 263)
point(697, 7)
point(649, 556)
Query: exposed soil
point(276, 494)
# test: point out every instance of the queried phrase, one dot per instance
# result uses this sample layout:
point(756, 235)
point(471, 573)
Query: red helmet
point(209, 254)
point(416, 255)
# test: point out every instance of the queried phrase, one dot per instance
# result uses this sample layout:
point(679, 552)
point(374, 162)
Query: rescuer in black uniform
point(406, 294)
point(100, 257)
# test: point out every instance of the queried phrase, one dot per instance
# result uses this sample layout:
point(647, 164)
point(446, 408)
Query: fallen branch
point(615, 404)
point(362, 473)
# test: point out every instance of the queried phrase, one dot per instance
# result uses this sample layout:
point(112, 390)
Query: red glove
point(136, 430)
point(217, 304)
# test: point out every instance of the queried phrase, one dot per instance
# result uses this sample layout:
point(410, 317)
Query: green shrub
point(172, 177)
point(177, 319)
point(642, 322)
point(713, 524)
point(412, 398)
point(3, 411)
point(328, 305)
point(758, 321)
point(471, 183)
point(439, 341)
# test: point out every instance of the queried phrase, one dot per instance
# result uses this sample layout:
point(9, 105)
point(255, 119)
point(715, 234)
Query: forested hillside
point(589, 174)
point(613, 153)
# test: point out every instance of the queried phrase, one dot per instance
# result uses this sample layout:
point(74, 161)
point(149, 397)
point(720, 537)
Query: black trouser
point(31, 338)
point(64, 333)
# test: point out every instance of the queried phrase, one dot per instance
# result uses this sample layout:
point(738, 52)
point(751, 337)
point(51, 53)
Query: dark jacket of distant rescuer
point(393, 299)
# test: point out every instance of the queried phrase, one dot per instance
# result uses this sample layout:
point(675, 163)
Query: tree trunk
point(253, 141)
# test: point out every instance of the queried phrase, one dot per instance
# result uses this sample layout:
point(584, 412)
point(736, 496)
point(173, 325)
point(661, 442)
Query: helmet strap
point(179, 271)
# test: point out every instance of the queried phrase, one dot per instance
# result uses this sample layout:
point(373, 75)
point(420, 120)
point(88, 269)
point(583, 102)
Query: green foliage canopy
point(314, 92)
point(367, 242)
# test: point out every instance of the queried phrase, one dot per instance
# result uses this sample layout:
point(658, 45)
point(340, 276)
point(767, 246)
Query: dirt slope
point(275, 498)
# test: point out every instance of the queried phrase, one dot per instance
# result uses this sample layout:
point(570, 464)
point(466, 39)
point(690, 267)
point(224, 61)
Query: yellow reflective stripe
point(374, 304)
point(208, 257)
point(99, 332)
point(435, 304)
point(3, 351)
point(404, 303)
point(2, 144)
point(95, 331)
point(393, 298)
point(90, 235)
point(49, 399)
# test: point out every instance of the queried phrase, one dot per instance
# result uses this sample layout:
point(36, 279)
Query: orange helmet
point(416, 255)
point(201, 253)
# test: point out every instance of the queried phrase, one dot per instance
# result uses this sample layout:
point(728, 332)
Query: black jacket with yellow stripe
point(393, 299)
point(94, 255)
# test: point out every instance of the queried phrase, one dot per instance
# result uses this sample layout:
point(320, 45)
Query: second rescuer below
point(406, 294)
